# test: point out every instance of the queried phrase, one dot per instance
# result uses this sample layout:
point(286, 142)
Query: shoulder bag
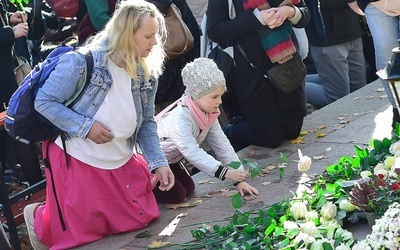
point(287, 76)
point(179, 40)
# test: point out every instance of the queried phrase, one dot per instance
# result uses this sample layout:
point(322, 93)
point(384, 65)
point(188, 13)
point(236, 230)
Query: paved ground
point(353, 120)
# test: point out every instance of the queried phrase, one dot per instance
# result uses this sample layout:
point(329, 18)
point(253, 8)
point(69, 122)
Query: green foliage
point(20, 4)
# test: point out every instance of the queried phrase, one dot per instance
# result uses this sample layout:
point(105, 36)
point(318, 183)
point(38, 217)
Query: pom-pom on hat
point(202, 77)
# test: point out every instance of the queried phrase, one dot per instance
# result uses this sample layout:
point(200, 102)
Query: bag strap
point(251, 64)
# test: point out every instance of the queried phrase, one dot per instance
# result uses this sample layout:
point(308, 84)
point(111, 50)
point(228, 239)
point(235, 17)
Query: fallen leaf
point(229, 193)
point(319, 135)
point(342, 117)
point(321, 127)
point(159, 244)
point(304, 132)
point(298, 140)
point(210, 194)
point(356, 98)
point(145, 234)
point(370, 97)
point(339, 126)
point(271, 167)
point(356, 114)
point(383, 96)
point(320, 157)
point(249, 197)
point(344, 122)
point(249, 153)
point(204, 182)
point(184, 204)
point(380, 89)
point(266, 183)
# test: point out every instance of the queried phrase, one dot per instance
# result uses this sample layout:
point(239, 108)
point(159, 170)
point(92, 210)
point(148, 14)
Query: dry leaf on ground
point(370, 97)
point(320, 157)
point(304, 132)
point(184, 204)
point(249, 197)
point(210, 194)
point(383, 96)
point(271, 167)
point(266, 183)
point(204, 182)
point(319, 135)
point(380, 89)
point(356, 98)
point(159, 244)
point(298, 140)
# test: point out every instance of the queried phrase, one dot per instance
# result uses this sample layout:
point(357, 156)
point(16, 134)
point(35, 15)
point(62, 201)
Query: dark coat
point(332, 22)
point(261, 104)
point(8, 85)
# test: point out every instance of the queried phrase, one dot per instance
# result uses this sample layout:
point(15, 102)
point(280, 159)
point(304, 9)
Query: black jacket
point(8, 85)
point(332, 22)
point(261, 104)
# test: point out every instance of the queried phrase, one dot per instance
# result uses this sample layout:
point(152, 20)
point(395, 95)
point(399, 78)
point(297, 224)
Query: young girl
point(192, 121)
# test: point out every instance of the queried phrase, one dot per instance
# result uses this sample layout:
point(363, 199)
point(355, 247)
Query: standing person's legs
point(333, 69)
point(385, 32)
point(356, 61)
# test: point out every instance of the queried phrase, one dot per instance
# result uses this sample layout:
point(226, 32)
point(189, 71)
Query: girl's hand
point(237, 175)
point(245, 187)
point(100, 133)
point(166, 178)
point(272, 17)
point(18, 17)
point(20, 30)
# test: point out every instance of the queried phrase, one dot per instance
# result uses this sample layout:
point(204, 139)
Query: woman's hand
point(100, 133)
point(245, 187)
point(18, 17)
point(20, 30)
point(237, 175)
point(271, 17)
point(166, 178)
point(354, 6)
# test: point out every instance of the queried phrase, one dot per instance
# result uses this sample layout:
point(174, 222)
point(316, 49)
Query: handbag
point(287, 76)
point(22, 69)
point(179, 40)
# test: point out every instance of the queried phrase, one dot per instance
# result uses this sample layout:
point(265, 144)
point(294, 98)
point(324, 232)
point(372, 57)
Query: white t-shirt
point(118, 113)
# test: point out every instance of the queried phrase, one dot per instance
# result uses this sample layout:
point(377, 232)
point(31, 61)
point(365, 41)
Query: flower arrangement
point(368, 181)
point(385, 233)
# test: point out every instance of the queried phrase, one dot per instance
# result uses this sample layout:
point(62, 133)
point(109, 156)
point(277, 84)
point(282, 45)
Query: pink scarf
point(203, 120)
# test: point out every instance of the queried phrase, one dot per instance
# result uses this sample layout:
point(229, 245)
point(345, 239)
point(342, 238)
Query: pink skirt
point(94, 202)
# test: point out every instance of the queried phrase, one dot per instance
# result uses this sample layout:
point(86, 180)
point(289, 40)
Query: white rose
point(307, 239)
point(342, 247)
point(311, 216)
point(389, 162)
point(380, 169)
point(298, 210)
point(365, 174)
point(317, 245)
point(290, 225)
point(304, 162)
point(345, 205)
point(310, 228)
point(394, 148)
point(328, 210)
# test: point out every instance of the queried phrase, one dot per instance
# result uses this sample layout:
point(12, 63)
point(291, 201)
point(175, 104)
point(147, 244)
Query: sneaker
point(29, 220)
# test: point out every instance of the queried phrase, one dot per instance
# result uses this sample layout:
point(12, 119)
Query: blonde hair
point(117, 38)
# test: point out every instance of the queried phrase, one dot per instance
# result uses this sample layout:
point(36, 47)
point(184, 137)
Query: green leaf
point(378, 145)
point(145, 234)
point(234, 164)
point(340, 215)
point(281, 172)
point(270, 229)
point(282, 156)
point(237, 201)
point(327, 246)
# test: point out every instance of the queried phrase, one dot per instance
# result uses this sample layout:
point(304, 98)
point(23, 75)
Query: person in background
point(335, 36)
point(265, 116)
point(13, 25)
point(194, 120)
point(383, 18)
point(103, 186)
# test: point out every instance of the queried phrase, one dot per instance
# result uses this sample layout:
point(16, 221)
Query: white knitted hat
point(202, 77)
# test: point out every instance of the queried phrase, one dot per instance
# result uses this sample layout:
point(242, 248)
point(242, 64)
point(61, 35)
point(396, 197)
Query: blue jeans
point(385, 32)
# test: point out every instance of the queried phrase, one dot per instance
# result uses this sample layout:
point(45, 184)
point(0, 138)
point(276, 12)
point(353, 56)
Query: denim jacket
point(77, 120)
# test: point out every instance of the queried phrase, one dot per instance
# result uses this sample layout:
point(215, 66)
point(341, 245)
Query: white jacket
point(179, 138)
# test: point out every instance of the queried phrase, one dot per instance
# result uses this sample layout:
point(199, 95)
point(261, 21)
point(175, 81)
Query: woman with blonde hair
point(103, 186)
